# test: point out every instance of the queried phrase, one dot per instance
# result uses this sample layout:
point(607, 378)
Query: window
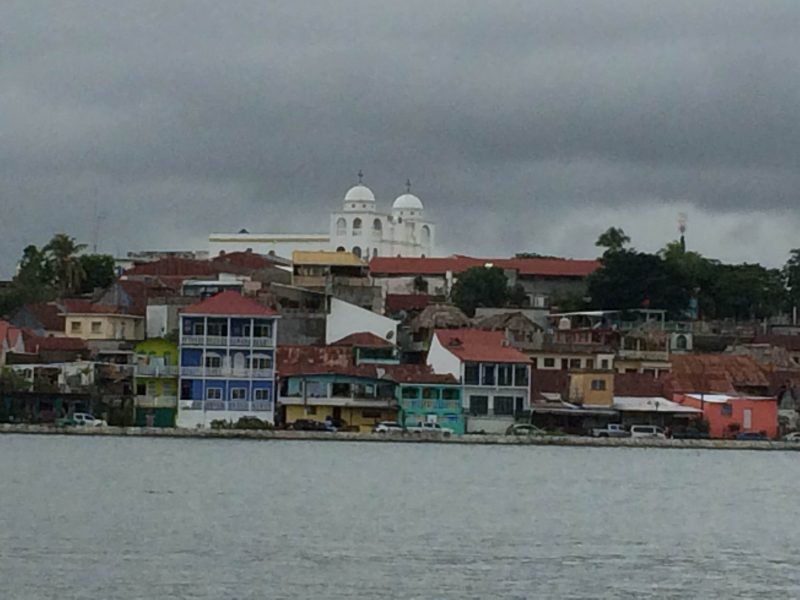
point(218, 327)
point(151, 388)
point(214, 394)
point(451, 394)
point(599, 384)
point(681, 342)
point(410, 393)
point(488, 374)
point(262, 330)
point(97, 327)
point(377, 226)
point(471, 374)
point(505, 375)
point(726, 410)
point(357, 251)
point(75, 326)
point(590, 363)
point(604, 364)
point(213, 361)
point(260, 362)
point(521, 375)
point(549, 363)
point(141, 389)
point(478, 405)
point(198, 328)
point(503, 405)
point(238, 393)
point(356, 226)
point(311, 410)
point(575, 363)
point(262, 394)
point(429, 393)
point(341, 226)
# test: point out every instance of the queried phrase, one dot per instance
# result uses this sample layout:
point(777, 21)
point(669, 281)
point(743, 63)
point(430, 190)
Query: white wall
point(345, 318)
point(442, 361)
point(157, 320)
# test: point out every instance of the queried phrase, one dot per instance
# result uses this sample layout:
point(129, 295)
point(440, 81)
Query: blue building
point(227, 361)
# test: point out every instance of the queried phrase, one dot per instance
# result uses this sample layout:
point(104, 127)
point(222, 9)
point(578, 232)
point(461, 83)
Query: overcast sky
point(524, 126)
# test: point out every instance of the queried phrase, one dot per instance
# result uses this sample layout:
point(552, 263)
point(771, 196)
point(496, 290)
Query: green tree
point(99, 270)
point(63, 251)
point(612, 239)
point(480, 287)
point(34, 268)
point(791, 275)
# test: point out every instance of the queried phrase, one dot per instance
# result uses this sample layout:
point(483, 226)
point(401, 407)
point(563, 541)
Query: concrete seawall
point(415, 438)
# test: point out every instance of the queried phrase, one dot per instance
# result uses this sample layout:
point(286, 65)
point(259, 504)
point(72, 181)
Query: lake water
point(124, 518)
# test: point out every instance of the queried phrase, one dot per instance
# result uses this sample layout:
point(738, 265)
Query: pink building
point(730, 414)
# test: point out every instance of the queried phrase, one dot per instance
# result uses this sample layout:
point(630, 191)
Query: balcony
point(156, 371)
point(234, 405)
point(193, 340)
point(240, 341)
point(227, 372)
point(156, 401)
point(657, 355)
point(263, 342)
point(216, 340)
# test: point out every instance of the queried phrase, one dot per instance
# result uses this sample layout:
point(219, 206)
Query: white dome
point(359, 193)
point(407, 201)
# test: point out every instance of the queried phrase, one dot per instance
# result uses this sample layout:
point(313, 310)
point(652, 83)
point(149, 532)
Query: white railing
point(240, 341)
point(216, 340)
point(262, 405)
point(262, 342)
point(227, 372)
point(193, 340)
point(155, 370)
point(160, 401)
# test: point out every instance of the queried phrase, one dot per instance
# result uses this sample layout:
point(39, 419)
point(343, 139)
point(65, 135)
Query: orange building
point(730, 414)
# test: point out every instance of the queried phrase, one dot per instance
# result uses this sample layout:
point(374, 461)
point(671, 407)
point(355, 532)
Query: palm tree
point(69, 273)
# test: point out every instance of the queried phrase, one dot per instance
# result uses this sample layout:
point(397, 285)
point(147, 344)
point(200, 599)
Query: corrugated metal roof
point(230, 302)
point(477, 345)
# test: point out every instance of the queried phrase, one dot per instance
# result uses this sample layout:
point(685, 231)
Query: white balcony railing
point(227, 372)
point(193, 340)
point(159, 401)
point(155, 370)
point(262, 342)
point(240, 341)
point(216, 340)
point(223, 340)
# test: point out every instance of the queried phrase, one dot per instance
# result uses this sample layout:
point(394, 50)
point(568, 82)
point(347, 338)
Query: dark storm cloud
point(169, 120)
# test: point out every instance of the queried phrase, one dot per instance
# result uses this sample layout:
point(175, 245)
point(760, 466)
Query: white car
point(647, 431)
point(387, 427)
point(792, 437)
point(431, 427)
point(88, 420)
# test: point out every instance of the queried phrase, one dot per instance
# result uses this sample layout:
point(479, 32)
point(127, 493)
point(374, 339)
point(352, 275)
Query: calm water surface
point(148, 518)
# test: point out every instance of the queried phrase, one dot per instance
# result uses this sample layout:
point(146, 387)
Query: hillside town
point(365, 329)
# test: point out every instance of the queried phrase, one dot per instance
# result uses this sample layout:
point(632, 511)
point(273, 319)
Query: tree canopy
point(480, 287)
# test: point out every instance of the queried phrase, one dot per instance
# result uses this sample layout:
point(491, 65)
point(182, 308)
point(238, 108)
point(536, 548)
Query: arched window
point(340, 249)
point(426, 235)
point(374, 252)
point(356, 226)
point(341, 226)
point(377, 225)
point(680, 342)
point(357, 251)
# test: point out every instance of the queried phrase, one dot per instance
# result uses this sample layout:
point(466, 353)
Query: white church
point(359, 227)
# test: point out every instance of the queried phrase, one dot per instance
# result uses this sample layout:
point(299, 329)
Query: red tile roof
point(545, 267)
point(247, 260)
point(47, 314)
point(55, 344)
point(183, 267)
point(293, 361)
point(230, 303)
point(364, 339)
point(477, 345)
point(407, 302)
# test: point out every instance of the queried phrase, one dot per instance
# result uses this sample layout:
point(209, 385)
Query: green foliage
point(56, 270)
point(480, 287)
point(672, 278)
point(791, 274)
point(613, 240)
point(517, 296)
point(98, 270)
point(11, 381)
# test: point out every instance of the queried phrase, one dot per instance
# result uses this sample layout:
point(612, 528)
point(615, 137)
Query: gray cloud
point(524, 125)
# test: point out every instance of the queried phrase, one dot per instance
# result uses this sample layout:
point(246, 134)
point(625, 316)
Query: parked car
point(752, 436)
point(524, 429)
point(311, 425)
point(647, 431)
point(84, 420)
point(430, 427)
point(614, 430)
point(792, 437)
point(388, 427)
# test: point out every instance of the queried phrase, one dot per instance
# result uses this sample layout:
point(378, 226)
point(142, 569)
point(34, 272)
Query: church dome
point(359, 193)
point(407, 201)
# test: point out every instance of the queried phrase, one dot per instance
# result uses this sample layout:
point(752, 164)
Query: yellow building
point(592, 388)
point(318, 270)
point(105, 326)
